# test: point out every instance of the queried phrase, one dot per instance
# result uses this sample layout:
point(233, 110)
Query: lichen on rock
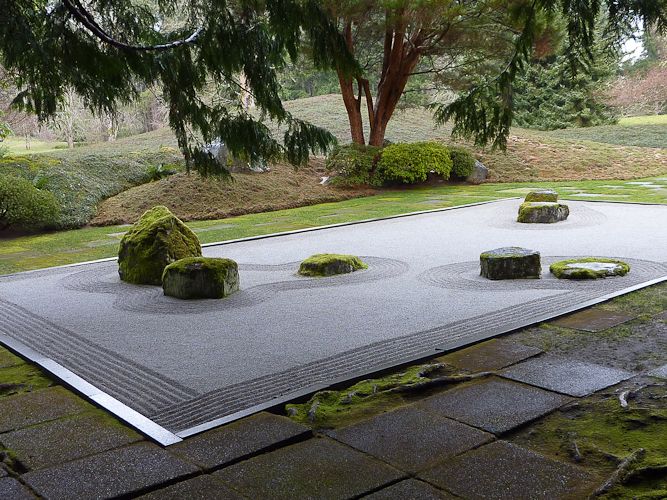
point(510, 263)
point(329, 264)
point(201, 278)
point(548, 195)
point(542, 212)
point(156, 240)
point(589, 268)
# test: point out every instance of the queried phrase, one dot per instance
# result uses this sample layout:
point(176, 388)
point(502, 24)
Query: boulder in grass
point(479, 173)
point(542, 212)
point(329, 264)
point(510, 263)
point(542, 195)
point(201, 278)
point(589, 268)
point(156, 240)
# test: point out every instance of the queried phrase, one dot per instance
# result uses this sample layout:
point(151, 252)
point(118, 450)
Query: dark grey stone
point(504, 471)
point(491, 355)
point(122, 471)
point(238, 440)
point(567, 376)
point(593, 320)
point(411, 438)
point(67, 439)
point(479, 173)
point(542, 212)
point(317, 468)
point(198, 488)
point(11, 489)
point(201, 278)
point(7, 359)
point(411, 489)
point(36, 407)
point(495, 405)
point(510, 263)
point(3, 472)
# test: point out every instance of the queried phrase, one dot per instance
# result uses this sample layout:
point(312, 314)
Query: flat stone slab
point(113, 473)
point(239, 440)
point(198, 488)
point(659, 372)
point(36, 407)
point(411, 489)
point(411, 439)
point(593, 320)
point(504, 471)
point(11, 489)
point(567, 376)
point(317, 468)
point(491, 355)
point(495, 405)
point(67, 439)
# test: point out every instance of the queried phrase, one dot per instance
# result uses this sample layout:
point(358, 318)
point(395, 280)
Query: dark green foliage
point(411, 163)
point(23, 206)
point(157, 172)
point(354, 165)
point(463, 162)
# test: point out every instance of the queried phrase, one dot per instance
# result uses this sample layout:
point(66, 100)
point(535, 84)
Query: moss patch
point(538, 195)
point(22, 378)
point(569, 269)
point(158, 239)
point(542, 212)
point(201, 278)
point(328, 264)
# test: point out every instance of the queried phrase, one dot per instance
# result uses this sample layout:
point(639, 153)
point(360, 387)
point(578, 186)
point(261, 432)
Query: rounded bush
point(463, 162)
point(23, 206)
point(411, 163)
point(353, 164)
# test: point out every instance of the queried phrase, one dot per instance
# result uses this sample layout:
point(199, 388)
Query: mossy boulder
point(542, 212)
point(328, 264)
point(510, 263)
point(201, 278)
point(156, 240)
point(589, 268)
point(548, 195)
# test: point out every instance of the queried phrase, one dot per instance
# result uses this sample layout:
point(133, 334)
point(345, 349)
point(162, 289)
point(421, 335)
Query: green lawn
point(644, 120)
point(66, 247)
point(16, 146)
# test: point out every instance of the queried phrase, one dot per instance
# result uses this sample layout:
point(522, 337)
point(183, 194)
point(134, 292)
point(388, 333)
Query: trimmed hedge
point(354, 164)
point(23, 206)
point(463, 162)
point(411, 163)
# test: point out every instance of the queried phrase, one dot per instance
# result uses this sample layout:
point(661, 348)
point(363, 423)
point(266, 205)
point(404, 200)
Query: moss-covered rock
point(542, 212)
point(201, 278)
point(589, 268)
point(548, 195)
point(328, 264)
point(510, 263)
point(156, 240)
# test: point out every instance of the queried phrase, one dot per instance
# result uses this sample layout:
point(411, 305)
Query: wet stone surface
point(567, 376)
point(593, 320)
point(410, 438)
point(200, 487)
point(490, 355)
point(502, 471)
point(494, 405)
point(11, 489)
point(317, 468)
point(410, 489)
point(36, 407)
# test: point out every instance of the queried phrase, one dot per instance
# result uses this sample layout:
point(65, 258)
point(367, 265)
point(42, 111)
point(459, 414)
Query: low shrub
point(353, 165)
point(157, 172)
point(463, 162)
point(411, 163)
point(23, 206)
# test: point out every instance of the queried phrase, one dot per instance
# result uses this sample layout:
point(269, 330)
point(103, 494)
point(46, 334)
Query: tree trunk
point(353, 108)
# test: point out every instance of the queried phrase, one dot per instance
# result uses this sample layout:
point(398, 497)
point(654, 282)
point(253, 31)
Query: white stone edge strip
point(131, 417)
point(458, 344)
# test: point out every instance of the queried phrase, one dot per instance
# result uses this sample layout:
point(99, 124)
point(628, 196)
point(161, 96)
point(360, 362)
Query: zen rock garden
point(542, 207)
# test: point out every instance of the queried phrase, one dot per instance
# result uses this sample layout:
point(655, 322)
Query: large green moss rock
point(510, 263)
point(328, 264)
point(589, 268)
point(542, 212)
point(156, 240)
point(542, 195)
point(201, 278)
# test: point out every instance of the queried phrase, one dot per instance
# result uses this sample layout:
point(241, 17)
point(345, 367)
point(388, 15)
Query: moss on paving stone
point(22, 378)
point(565, 269)
point(328, 264)
point(201, 278)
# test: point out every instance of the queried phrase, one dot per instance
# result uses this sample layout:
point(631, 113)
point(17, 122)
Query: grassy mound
point(586, 269)
point(329, 264)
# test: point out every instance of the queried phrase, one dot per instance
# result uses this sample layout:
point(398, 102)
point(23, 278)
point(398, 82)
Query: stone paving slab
point(3, 472)
point(410, 489)
point(495, 405)
point(122, 471)
point(11, 489)
point(662, 316)
point(7, 359)
point(238, 440)
point(491, 355)
point(318, 468)
point(504, 471)
point(659, 372)
point(593, 320)
point(411, 438)
point(567, 376)
point(198, 488)
point(68, 439)
point(37, 407)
